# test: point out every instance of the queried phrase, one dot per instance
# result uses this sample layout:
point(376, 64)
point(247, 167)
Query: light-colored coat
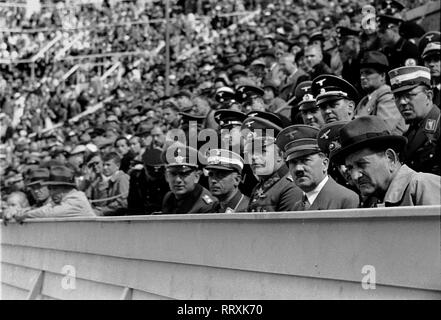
point(411, 188)
point(73, 204)
point(382, 103)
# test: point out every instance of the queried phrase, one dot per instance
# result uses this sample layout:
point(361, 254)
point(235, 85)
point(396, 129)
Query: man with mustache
point(275, 190)
point(182, 174)
point(309, 111)
point(371, 154)
point(335, 97)
point(224, 176)
point(413, 95)
point(308, 166)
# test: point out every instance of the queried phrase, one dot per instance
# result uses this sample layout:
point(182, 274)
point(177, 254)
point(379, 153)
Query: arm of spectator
point(119, 199)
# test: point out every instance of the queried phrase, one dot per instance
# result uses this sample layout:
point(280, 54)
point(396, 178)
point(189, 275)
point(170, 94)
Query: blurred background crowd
point(79, 79)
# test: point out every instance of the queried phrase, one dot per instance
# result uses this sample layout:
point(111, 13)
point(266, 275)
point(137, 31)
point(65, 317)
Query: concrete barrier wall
point(314, 255)
point(429, 14)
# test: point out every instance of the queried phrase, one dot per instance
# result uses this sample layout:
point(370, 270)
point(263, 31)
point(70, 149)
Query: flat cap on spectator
point(222, 159)
point(258, 62)
point(375, 60)
point(298, 141)
point(407, 78)
point(330, 88)
point(78, 149)
point(237, 69)
point(269, 53)
point(328, 137)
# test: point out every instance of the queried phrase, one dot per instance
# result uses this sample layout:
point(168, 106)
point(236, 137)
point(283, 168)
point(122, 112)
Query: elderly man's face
point(337, 110)
point(370, 171)
point(308, 171)
point(414, 104)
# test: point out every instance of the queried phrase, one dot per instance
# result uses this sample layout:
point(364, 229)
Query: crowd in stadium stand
point(111, 131)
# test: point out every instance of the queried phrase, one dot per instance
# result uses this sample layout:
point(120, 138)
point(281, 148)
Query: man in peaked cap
point(399, 51)
point(275, 191)
point(370, 153)
point(379, 99)
point(431, 57)
point(413, 95)
point(66, 201)
point(183, 174)
point(148, 186)
point(335, 97)
point(431, 36)
point(251, 98)
point(39, 192)
point(328, 140)
point(308, 166)
point(311, 114)
point(301, 89)
point(224, 176)
point(230, 122)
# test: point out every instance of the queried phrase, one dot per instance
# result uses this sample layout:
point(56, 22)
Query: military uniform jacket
point(423, 150)
point(276, 193)
point(382, 103)
point(238, 203)
point(400, 52)
point(332, 196)
point(200, 200)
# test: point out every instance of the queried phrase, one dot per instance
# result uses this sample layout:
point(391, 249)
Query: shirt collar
point(312, 195)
